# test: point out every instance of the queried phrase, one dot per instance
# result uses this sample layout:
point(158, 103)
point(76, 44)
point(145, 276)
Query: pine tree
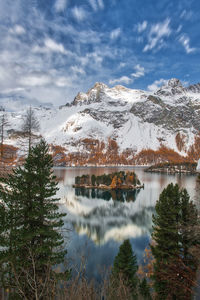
point(174, 265)
point(144, 290)
point(30, 241)
point(125, 267)
point(93, 180)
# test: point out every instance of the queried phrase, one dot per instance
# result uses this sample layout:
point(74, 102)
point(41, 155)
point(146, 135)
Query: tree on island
point(113, 180)
point(93, 180)
point(30, 241)
point(173, 232)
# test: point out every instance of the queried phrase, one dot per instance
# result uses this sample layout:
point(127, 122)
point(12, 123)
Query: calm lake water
point(99, 222)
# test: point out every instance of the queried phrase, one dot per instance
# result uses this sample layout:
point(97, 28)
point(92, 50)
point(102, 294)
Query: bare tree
point(30, 125)
point(3, 123)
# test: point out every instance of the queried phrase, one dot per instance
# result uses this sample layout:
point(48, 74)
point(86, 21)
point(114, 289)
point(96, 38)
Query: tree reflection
point(116, 195)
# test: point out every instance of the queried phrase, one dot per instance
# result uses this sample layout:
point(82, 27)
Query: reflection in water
point(118, 195)
point(103, 219)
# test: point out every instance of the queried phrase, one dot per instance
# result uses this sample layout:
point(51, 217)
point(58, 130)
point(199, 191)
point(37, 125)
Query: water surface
point(100, 221)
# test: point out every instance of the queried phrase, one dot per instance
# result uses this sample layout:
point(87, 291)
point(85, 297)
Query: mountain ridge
point(130, 120)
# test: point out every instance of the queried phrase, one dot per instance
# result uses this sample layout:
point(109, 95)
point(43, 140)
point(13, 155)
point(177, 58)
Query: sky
point(52, 49)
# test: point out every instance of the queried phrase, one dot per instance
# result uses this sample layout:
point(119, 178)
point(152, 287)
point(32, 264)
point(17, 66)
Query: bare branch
point(30, 124)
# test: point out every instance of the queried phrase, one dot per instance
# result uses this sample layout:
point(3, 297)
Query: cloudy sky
point(52, 49)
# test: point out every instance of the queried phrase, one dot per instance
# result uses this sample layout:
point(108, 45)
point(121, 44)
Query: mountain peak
point(99, 85)
point(174, 82)
point(92, 95)
point(173, 87)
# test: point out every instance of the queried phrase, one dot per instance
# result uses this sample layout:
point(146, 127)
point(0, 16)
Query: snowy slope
point(136, 119)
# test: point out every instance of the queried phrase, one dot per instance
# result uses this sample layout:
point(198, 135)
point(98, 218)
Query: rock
point(174, 82)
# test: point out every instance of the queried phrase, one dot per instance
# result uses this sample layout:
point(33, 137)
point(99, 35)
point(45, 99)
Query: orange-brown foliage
point(180, 141)
point(8, 160)
point(194, 150)
point(163, 154)
point(58, 154)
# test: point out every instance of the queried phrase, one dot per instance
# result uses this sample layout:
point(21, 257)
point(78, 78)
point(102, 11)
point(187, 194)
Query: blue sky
point(52, 49)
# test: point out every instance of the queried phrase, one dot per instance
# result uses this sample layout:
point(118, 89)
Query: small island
point(173, 168)
point(117, 180)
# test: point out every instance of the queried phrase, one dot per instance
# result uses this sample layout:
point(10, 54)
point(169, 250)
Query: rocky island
point(117, 180)
point(173, 168)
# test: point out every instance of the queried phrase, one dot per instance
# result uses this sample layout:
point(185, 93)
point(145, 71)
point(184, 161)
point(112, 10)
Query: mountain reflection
point(117, 195)
point(99, 220)
point(102, 228)
point(105, 216)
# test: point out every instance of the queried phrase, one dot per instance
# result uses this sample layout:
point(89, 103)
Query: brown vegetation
point(194, 151)
point(96, 152)
point(180, 141)
point(8, 160)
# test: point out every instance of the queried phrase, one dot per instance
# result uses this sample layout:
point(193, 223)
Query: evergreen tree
point(93, 179)
point(30, 241)
point(125, 267)
point(144, 290)
point(174, 265)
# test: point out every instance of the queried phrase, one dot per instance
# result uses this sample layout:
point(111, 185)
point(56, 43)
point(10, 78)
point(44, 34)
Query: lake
point(100, 221)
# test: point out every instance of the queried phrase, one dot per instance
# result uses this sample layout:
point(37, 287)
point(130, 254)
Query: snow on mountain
point(135, 119)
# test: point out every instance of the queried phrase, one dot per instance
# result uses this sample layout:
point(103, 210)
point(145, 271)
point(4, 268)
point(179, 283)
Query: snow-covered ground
point(105, 112)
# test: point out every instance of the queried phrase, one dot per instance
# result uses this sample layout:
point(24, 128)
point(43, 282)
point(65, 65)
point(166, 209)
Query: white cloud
point(63, 81)
point(186, 14)
point(115, 33)
point(35, 79)
point(77, 70)
point(18, 29)
point(179, 28)
point(157, 33)
point(140, 39)
point(79, 13)
point(156, 84)
point(50, 46)
point(13, 90)
point(60, 5)
point(142, 26)
point(96, 4)
point(123, 79)
point(93, 59)
point(101, 4)
point(185, 41)
point(53, 46)
point(122, 65)
point(139, 71)
point(93, 4)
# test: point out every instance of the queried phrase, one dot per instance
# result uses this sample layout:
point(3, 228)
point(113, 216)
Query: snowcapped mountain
point(134, 119)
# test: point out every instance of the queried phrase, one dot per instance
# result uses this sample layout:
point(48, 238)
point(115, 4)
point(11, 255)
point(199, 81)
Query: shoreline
point(108, 188)
point(173, 168)
point(102, 166)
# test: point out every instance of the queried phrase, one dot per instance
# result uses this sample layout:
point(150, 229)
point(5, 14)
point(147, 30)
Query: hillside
point(119, 125)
